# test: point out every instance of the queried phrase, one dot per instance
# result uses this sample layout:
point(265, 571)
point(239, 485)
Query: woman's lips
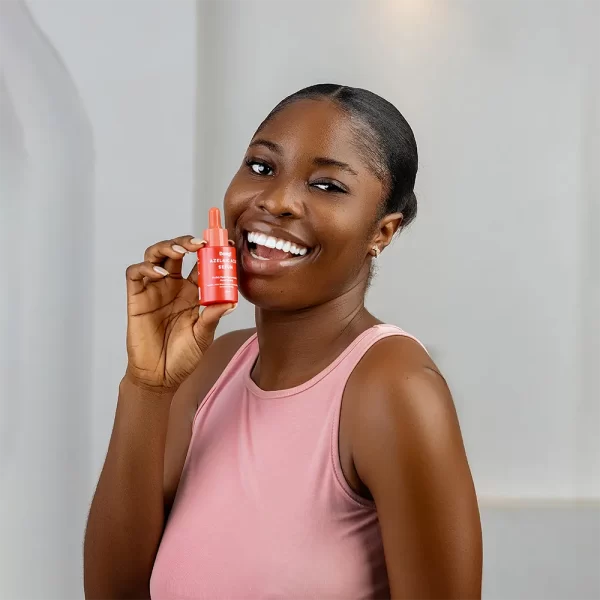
point(267, 266)
point(268, 246)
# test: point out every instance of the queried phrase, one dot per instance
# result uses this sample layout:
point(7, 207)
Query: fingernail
point(230, 310)
point(179, 248)
point(161, 271)
point(197, 241)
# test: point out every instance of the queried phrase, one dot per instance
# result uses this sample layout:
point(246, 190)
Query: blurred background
point(122, 121)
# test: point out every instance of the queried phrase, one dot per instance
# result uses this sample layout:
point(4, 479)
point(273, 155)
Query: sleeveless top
point(263, 509)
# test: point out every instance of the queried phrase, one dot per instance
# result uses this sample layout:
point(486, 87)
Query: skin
point(399, 439)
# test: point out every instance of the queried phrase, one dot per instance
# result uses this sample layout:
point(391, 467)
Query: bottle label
point(217, 274)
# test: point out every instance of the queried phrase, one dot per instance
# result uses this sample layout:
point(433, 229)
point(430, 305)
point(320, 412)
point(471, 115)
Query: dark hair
point(384, 137)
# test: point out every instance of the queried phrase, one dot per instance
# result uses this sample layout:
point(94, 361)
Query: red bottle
point(217, 265)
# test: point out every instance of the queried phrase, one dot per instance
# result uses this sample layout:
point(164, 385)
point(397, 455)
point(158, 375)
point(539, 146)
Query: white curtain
point(46, 178)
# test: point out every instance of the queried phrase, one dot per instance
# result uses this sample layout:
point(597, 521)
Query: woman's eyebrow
point(268, 144)
point(324, 161)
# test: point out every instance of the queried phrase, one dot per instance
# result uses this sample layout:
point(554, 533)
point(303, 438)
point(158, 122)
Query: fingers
point(193, 276)
point(135, 275)
point(169, 253)
point(208, 319)
point(162, 259)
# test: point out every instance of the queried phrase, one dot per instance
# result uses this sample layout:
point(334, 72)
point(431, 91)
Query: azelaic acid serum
point(217, 265)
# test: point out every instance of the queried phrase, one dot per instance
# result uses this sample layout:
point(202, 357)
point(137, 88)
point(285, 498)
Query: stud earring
point(376, 251)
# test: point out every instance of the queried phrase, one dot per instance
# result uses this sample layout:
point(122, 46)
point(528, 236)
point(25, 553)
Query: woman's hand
point(166, 333)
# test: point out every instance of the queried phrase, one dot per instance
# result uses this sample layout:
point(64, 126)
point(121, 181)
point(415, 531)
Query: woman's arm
point(167, 339)
point(126, 518)
point(408, 450)
point(138, 483)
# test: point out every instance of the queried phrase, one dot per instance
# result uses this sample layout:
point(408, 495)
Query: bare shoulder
point(214, 361)
point(210, 368)
point(234, 339)
point(407, 449)
point(401, 416)
point(398, 384)
point(226, 345)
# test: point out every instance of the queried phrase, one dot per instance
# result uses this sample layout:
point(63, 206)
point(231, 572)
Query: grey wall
point(46, 179)
point(589, 269)
point(536, 551)
point(97, 113)
point(499, 274)
point(491, 275)
point(135, 66)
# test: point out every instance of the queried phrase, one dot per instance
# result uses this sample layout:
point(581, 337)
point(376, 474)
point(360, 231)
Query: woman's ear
point(388, 226)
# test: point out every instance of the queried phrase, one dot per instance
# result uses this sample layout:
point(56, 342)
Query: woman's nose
point(281, 202)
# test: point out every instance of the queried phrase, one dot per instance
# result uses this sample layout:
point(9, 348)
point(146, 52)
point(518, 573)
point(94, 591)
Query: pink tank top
point(263, 509)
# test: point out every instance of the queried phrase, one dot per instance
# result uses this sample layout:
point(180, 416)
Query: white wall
point(499, 274)
point(534, 552)
point(135, 66)
point(118, 78)
point(589, 315)
point(46, 178)
point(496, 269)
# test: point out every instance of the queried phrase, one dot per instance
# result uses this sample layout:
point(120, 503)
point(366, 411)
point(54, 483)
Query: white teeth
point(259, 257)
point(272, 242)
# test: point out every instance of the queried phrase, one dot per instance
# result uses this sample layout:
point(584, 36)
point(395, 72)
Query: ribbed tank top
point(263, 509)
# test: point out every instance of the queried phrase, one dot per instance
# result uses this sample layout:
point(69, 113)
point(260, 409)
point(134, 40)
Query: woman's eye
point(260, 168)
point(327, 186)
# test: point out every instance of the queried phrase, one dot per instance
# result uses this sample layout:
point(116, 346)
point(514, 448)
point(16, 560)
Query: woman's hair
point(384, 138)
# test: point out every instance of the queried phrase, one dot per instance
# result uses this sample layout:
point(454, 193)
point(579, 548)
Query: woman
point(318, 455)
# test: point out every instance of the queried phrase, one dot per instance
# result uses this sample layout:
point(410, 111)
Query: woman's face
point(303, 181)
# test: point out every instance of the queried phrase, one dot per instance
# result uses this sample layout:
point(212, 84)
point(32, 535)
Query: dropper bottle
point(217, 265)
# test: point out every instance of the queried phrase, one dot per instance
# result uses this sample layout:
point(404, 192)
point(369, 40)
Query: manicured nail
point(161, 271)
point(179, 248)
point(230, 310)
point(197, 241)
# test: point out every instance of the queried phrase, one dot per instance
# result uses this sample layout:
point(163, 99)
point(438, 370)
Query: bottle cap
point(215, 235)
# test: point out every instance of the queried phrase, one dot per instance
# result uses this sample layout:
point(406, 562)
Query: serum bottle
point(217, 265)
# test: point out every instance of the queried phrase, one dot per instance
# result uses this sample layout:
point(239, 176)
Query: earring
point(376, 250)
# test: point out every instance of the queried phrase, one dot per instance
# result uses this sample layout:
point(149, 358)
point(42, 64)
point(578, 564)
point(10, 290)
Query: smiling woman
point(340, 181)
point(318, 455)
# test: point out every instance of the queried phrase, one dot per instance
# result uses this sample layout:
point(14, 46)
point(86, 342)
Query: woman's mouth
point(268, 255)
point(267, 247)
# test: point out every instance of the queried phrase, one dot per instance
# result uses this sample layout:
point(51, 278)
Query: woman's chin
point(269, 295)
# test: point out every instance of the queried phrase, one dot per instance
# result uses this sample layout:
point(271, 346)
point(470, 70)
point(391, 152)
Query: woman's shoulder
point(392, 370)
point(215, 360)
point(229, 343)
point(393, 354)
point(407, 450)
point(397, 390)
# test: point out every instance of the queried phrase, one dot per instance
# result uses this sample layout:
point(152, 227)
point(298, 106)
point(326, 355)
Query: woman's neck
point(296, 346)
